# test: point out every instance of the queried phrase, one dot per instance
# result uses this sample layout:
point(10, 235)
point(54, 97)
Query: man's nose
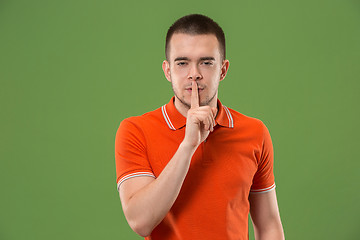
point(194, 73)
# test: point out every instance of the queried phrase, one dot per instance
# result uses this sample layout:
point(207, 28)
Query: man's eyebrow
point(187, 59)
point(207, 58)
point(181, 59)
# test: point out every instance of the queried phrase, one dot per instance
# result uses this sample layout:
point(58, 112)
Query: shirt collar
point(175, 120)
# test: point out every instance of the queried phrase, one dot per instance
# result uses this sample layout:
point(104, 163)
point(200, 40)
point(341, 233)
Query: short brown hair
point(196, 24)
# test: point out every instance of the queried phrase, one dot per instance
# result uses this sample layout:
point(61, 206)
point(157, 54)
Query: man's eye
point(207, 63)
point(181, 63)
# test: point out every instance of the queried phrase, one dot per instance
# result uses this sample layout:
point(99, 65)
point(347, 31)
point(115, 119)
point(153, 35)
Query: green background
point(72, 70)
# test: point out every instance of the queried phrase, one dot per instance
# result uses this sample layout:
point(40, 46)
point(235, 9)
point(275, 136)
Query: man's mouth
point(190, 89)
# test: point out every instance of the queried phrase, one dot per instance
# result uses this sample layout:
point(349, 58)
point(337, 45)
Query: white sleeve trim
point(131, 175)
point(263, 190)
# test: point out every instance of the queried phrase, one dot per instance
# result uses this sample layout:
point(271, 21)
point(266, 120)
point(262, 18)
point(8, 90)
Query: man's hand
point(199, 121)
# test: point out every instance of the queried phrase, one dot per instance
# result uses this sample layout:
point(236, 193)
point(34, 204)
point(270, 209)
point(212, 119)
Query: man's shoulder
point(146, 119)
point(241, 119)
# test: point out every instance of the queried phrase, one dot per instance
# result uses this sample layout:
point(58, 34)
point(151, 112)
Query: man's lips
point(190, 89)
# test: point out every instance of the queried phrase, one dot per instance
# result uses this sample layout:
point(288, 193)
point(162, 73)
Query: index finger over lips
point(194, 95)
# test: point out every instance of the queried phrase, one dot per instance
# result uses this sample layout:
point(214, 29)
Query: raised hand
point(200, 120)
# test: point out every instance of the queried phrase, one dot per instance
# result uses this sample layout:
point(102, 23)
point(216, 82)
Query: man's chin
point(188, 104)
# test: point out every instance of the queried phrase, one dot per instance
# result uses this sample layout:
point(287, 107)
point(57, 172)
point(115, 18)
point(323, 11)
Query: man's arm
point(265, 216)
point(145, 200)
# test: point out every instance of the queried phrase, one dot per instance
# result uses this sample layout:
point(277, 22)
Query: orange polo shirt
point(235, 159)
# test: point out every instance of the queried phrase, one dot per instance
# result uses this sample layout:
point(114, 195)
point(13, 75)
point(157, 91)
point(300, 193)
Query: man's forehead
point(194, 44)
point(185, 34)
point(184, 38)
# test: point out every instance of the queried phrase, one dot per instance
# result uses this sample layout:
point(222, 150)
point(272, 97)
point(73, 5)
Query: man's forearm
point(147, 207)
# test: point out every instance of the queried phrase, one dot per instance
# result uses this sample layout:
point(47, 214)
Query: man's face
point(194, 58)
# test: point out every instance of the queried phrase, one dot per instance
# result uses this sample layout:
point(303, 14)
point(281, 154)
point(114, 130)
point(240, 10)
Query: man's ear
point(166, 69)
point(224, 69)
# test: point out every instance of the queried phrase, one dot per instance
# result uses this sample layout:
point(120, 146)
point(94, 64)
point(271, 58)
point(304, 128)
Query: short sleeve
point(264, 177)
point(130, 153)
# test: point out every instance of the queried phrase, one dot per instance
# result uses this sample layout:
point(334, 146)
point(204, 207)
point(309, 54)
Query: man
point(193, 169)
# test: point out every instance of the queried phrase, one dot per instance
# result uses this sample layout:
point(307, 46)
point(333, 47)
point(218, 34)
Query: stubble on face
point(200, 50)
point(203, 102)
